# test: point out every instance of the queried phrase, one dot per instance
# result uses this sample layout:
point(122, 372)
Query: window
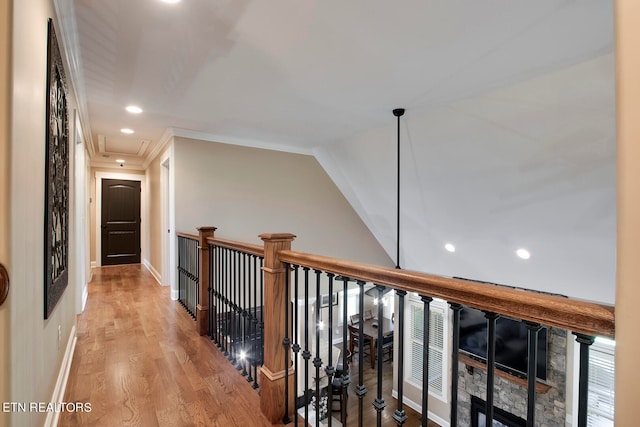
point(352, 303)
point(601, 383)
point(437, 345)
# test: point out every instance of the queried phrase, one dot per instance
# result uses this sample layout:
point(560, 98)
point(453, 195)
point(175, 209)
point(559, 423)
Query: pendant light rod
point(398, 112)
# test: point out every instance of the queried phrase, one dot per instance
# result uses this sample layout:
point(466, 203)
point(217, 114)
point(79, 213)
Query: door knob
point(4, 284)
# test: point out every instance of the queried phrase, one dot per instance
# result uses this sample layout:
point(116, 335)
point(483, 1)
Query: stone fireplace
point(511, 397)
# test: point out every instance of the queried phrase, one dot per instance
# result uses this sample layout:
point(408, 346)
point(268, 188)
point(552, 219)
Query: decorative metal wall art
point(56, 215)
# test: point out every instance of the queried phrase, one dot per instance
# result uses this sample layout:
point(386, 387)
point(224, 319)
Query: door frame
point(168, 241)
point(144, 194)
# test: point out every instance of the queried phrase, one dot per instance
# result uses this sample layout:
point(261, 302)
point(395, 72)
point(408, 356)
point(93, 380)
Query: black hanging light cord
point(398, 112)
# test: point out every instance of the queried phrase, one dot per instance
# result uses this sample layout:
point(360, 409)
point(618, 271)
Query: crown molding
point(166, 137)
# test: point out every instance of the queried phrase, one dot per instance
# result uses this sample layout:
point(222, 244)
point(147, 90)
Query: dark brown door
point(120, 222)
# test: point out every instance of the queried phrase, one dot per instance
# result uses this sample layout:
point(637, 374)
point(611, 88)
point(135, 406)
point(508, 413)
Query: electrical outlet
point(59, 335)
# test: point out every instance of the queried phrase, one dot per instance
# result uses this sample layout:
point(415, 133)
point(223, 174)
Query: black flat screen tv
point(511, 343)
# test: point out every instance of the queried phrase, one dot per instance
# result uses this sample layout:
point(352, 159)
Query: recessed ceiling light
point(125, 130)
point(171, 1)
point(134, 109)
point(119, 161)
point(449, 247)
point(523, 253)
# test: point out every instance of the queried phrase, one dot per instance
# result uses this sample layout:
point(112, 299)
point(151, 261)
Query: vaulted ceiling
point(520, 87)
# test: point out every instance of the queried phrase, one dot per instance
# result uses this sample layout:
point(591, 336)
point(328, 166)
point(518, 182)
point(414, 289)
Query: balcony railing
point(262, 299)
point(188, 266)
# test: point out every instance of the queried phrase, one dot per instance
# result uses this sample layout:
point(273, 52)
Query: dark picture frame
point(324, 300)
point(56, 213)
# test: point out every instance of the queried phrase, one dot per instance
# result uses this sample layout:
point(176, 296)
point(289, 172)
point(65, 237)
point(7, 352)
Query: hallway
point(139, 361)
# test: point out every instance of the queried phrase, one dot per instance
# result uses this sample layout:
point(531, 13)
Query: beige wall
point(36, 353)
point(628, 248)
point(94, 204)
point(248, 191)
point(5, 168)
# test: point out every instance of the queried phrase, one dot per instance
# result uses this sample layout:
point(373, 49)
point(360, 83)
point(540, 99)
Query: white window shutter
point(437, 345)
point(601, 384)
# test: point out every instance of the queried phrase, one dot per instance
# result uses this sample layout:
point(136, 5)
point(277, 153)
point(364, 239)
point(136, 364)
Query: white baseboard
point(94, 264)
point(85, 296)
point(63, 376)
point(153, 271)
point(418, 408)
point(174, 294)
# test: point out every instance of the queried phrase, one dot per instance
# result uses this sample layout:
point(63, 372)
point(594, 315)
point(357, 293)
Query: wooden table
point(336, 353)
point(370, 330)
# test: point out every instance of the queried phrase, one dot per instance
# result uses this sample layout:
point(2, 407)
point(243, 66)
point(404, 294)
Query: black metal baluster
point(399, 416)
point(187, 280)
point(220, 299)
point(330, 369)
point(286, 343)
point(218, 295)
point(532, 371)
point(213, 303)
point(491, 363)
point(379, 403)
point(361, 390)
point(249, 324)
point(211, 289)
point(454, 363)
point(426, 340)
point(261, 324)
point(306, 354)
point(345, 380)
point(244, 357)
point(197, 271)
point(232, 307)
point(180, 255)
point(296, 346)
point(238, 303)
point(236, 320)
point(227, 305)
point(256, 341)
point(317, 361)
point(583, 378)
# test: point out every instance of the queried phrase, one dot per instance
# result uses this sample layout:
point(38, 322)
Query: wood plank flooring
point(140, 362)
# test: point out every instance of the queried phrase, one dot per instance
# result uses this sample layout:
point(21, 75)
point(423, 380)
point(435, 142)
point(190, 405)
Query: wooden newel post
point(272, 399)
point(202, 311)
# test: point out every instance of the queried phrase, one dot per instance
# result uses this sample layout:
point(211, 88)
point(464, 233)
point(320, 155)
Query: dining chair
point(368, 314)
point(354, 319)
point(354, 342)
point(387, 345)
point(339, 391)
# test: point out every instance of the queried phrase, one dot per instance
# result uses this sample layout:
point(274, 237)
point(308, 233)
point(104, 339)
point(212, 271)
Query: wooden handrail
point(187, 235)
point(549, 310)
point(239, 246)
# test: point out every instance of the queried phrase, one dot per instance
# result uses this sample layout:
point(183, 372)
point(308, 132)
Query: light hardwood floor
point(140, 362)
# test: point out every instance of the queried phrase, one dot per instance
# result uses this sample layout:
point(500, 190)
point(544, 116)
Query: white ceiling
point(510, 110)
point(300, 74)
